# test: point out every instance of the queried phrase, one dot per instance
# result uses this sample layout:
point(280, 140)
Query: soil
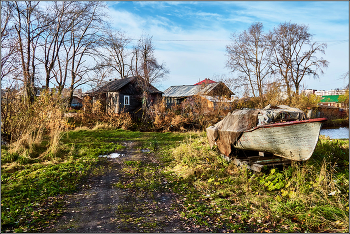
point(99, 206)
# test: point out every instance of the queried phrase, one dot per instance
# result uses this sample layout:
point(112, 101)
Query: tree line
point(68, 44)
point(283, 56)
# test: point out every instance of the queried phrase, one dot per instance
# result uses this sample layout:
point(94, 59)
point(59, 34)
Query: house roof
point(181, 91)
point(330, 98)
point(117, 84)
point(189, 90)
point(205, 81)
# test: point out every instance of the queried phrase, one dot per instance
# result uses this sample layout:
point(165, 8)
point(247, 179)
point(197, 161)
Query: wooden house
point(124, 95)
point(212, 92)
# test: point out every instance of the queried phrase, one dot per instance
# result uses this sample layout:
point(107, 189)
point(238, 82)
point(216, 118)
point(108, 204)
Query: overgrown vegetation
point(213, 193)
point(192, 114)
point(42, 161)
point(32, 188)
point(304, 197)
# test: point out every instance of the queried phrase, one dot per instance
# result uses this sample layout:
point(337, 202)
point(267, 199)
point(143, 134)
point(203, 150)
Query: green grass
point(291, 199)
point(31, 185)
point(212, 192)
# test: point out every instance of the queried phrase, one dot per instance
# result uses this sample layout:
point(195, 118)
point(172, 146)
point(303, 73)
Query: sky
point(191, 37)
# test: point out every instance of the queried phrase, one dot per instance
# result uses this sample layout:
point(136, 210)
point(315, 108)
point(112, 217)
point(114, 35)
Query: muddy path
point(100, 206)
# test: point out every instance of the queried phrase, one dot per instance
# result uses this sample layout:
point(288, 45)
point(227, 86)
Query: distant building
point(330, 100)
point(320, 92)
point(124, 95)
point(205, 81)
point(329, 92)
point(308, 91)
point(77, 95)
point(213, 92)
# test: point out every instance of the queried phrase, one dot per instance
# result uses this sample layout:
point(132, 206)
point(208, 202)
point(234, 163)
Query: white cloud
point(190, 61)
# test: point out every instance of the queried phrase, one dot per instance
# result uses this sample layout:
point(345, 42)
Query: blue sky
point(191, 37)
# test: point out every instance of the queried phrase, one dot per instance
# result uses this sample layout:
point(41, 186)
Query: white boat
point(294, 140)
point(282, 131)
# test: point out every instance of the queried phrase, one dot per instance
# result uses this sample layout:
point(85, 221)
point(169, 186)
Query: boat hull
point(295, 140)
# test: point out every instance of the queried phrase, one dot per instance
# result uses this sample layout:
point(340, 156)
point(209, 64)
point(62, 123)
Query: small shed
point(124, 95)
point(212, 92)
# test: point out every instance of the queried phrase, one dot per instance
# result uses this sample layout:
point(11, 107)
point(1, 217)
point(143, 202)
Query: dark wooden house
point(212, 92)
point(124, 95)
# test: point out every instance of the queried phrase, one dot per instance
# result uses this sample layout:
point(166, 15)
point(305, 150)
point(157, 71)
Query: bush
point(194, 113)
point(27, 124)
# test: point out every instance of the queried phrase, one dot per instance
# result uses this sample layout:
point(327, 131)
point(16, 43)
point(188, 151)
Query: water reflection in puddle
point(112, 155)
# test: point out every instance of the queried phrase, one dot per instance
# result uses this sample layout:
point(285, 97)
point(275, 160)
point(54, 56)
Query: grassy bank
point(213, 193)
point(305, 197)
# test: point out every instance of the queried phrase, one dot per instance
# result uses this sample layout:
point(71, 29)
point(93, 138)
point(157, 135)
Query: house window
point(126, 100)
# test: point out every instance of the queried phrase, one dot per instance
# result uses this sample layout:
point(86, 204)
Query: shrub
point(27, 124)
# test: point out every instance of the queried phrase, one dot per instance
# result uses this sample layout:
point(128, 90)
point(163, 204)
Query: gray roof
point(117, 84)
point(181, 91)
point(188, 90)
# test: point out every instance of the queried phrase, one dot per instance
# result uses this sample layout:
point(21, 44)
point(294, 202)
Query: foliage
point(345, 100)
point(32, 188)
point(302, 197)
point(28, 127)
point(274, 97)
point(192, 114)
point(213, 193)
point(93, 115)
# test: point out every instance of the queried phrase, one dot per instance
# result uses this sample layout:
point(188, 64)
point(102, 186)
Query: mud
point(101, 207)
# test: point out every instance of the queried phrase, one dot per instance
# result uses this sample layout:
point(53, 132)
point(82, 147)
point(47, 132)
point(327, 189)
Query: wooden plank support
point(271, 161)
point(258, 164)
point(257, 157)
point(254, 167)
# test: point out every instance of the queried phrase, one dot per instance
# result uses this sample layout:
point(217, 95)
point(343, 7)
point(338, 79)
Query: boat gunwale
point(287, 123)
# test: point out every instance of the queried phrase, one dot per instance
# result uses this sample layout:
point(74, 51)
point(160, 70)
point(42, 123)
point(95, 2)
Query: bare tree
point(145, 65)
point(99, 76)
point(76, 57)
point(117, 57)
point(249, 56)
point(60, 71)
point(8, 41)
point(345, 76)
point(28, 27)
point(295, 54)
point(58, 23)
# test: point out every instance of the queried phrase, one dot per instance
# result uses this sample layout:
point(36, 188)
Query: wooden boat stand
point(256, 163)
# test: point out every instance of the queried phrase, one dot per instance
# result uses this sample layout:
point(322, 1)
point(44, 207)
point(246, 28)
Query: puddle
point(112, 155)
point(145, 150)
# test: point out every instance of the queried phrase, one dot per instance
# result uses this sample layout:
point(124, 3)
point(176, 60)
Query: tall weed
point(309, 196)
point(31, 124)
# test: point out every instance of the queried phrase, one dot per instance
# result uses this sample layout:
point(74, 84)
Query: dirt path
point(102, 207)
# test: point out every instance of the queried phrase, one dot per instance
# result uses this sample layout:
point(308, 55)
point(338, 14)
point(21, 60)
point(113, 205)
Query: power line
point(186, 40)
point(339, 41)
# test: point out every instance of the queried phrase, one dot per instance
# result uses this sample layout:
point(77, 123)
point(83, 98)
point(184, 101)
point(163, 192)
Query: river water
point(336, 133)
